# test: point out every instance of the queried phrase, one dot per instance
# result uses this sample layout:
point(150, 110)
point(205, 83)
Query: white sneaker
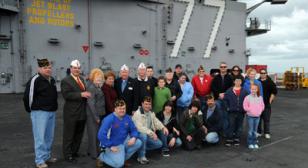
point(52, 160)
point(42, 165)
point(143, 160)
point(258, 135)
point(256, 146)
point(251, 147)
point(267, 136)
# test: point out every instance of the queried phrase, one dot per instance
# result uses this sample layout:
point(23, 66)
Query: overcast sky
point(286, 45)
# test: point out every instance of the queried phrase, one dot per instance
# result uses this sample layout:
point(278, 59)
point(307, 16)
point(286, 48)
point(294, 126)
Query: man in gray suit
point(73, 89)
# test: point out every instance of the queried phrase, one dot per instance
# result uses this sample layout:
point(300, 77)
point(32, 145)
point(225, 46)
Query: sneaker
point(228, 143)
point(251, 147)
point(267, 136)
point(143, 160)
point(42, 165)
point(236, 142)
point(258, 135)
point(256, 146)
point(165, 153)
point(52, 160)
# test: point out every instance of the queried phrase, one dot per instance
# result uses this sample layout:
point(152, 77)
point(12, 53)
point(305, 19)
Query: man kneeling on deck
point(119, 136)
point(212, 121)
point(147, 125)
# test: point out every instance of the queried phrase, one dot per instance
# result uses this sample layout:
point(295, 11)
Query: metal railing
point(254, 24)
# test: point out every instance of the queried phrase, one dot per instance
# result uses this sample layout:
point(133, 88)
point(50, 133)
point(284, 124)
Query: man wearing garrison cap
point(173, 85)
point(144, 86)
point(73, 89)
point(125, 87)
point(40, 100)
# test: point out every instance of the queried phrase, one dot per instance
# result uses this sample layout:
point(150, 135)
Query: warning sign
point(85, 48)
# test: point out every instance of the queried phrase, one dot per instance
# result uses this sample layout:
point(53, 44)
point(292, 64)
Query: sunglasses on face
point(236, 70)
point(263, 73)
point(223, 66)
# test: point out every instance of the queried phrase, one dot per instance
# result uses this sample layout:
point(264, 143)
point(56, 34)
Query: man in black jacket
point(269, 93)
point(125, 87)
point(150, 75)
point(40, 99)
point(173, 85)
point(73, 89)
point(178, 69)
point(144, 86)
point(220, 84)
point(212, 120)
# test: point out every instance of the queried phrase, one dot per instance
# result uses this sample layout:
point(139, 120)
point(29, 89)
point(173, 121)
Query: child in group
point(234, 98)
point(253, 105)
point(161, 95)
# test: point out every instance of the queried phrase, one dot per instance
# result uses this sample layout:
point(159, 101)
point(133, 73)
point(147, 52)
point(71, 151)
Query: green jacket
point(161, 96)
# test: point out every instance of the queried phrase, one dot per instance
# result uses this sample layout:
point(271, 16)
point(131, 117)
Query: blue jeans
point(253, 123)
point(235, 127)
point(43, 126)
point(224, 116)
point(148, 143)
point(165, 139)
point(117, 159)
point(212, 137)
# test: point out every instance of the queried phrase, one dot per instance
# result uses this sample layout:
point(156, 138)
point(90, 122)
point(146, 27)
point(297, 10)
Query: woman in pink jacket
point(253, 105)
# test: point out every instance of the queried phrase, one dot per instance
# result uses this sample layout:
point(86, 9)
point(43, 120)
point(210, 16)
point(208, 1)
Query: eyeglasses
point(223, 66)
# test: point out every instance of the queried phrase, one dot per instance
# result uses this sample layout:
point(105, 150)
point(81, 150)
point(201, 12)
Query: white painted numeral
point(182, 30)
point(221, 5)
point(189, 9)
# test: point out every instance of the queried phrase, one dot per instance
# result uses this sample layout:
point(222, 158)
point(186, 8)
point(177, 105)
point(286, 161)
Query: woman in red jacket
point(109, 92)
point(201, 83)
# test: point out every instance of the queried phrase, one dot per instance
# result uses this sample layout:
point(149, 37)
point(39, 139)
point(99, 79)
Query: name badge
point(130, 88)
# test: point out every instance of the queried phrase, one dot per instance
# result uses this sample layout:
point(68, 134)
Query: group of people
point(126, 115)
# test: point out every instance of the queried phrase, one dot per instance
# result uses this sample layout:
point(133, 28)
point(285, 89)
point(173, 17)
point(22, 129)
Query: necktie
point(81, 86)
point(123, 85)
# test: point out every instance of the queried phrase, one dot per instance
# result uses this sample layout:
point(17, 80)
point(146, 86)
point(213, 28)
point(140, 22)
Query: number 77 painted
point(188, 13)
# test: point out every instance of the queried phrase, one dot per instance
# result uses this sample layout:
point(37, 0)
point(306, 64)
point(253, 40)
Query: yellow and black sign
point(51, 12)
